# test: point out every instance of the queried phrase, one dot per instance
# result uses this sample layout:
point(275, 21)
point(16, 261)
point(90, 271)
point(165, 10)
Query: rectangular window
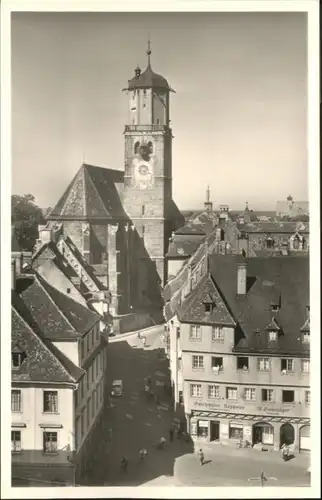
point(267, 395)
point(195, 390)
point(287, 365)
point(197, 362)
point(250, 394)
point(242, 364)
point(287, 396)
point(195, 333)
point(213, 391)
point(307, 397)
point(50, 442)
point(306, 337)
point(50, 401)
point(15, 400)
point(217, 364)
point(235, 431)
point(203, 428)
point(272, 336)
point(217, 334)
point(305, 365)
point(231, 393)
point(263, 364)
point(16, 441)
point(267, 434)
point(16, 359)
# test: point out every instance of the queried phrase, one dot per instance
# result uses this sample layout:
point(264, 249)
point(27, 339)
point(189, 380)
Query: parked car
point(117, 388)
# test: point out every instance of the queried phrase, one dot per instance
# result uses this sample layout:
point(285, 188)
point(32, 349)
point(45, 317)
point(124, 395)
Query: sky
point(238, 115)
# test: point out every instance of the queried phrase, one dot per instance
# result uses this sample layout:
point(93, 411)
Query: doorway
point(287, 434)
point(214, 430)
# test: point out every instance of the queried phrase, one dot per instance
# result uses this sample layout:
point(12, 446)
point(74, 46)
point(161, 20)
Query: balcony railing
point(143, 128)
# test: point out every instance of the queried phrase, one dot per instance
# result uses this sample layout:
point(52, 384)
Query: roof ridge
point(47, 345)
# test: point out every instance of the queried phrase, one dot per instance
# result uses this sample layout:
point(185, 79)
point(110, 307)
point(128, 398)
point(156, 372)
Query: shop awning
point(253, 418)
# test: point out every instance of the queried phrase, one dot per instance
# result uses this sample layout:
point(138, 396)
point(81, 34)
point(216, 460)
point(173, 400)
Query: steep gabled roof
point(194, 309)
point(184, 245)
point(43, 361)
point(93, 194)
point(274, 227)
point(57, 315)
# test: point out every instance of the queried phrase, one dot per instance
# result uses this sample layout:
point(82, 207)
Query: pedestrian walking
point(201, 457)
point(124, 463)
point(143, 453)
point(171, 434)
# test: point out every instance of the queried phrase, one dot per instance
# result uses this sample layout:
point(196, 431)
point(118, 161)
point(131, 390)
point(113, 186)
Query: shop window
point(217, 364)
point(195, 390)
point(203, 428)
point(305, 365)
point(263, 364)
point(250, 394)
point(217, 334)
point(50, 401)
point(287, 365)
point(16, 441)
point(231, 393)
point(264, 433)
point(195, 333)
point(236, 431)
point(197, 362)
point(50, 442)
point(242, 364)
point(307, 397)
point(288, 397)
point(213, 391)
point(16, 400)
point(267, 395)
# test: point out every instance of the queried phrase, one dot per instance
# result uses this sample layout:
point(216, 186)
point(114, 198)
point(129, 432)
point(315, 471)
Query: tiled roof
point(274, 227)
point(57, 315)
point(193, 310)
point(43, 361)
point(265, 279)
point(184, 245)
point(92, 194)
point(191, 229)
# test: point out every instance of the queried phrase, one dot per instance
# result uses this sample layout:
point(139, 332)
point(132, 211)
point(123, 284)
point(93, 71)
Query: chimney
point(241, 276)
point(13, 275)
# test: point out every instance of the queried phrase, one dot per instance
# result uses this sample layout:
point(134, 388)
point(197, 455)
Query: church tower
point(147, 196)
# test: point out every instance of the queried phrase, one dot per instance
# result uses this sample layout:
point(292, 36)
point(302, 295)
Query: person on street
point(171, 434)
point(161, 443)
point(201, 457)
point(143, 453)
point(124, 463)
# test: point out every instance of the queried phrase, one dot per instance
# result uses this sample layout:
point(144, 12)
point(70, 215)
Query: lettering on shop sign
point(214, 405)
point(272, 411)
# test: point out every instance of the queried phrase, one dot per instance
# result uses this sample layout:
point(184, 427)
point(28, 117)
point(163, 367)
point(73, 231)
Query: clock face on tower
point(142, 173)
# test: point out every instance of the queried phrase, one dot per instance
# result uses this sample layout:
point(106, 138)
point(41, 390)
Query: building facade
point(241, 343)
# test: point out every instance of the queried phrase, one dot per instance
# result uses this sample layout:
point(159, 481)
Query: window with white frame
point(231, 393)
point(15, 400)
point(195, 390)
point(305, 365)
point(50, 442)
point(287, 365)
point(213, 391)
point(15, 441)
point(263, 364)
point(197, 362)
point(195, 332)
point(307, 397)
point(250, 394)
point(217, 334)
point(50, 401)
point(267, 395)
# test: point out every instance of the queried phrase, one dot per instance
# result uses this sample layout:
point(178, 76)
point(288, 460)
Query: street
point(134, 422)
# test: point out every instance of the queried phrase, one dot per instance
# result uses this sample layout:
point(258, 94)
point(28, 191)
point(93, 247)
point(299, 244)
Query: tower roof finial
point(149, 51)
point(208, 194)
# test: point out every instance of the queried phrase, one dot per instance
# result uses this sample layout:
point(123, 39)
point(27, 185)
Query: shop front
point(230, 429)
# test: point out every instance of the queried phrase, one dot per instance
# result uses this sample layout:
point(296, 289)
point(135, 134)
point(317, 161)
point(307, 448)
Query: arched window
point(136, 147)
point(150, 148)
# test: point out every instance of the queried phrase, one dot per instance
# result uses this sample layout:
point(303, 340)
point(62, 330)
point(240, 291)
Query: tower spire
point(149, 51)
point(208, 194)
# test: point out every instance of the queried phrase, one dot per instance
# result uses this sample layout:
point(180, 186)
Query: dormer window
point(269, 242)
point(17, 359)
point(208, 303)
point(272, 336)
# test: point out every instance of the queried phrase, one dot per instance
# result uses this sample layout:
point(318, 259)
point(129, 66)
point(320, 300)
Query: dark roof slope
point(194, 309)
point(148, 79)
point(267, 279)
point(43, 361)
point(57, 315)
point(92, 195)
point(184, 245)
point(274, 227)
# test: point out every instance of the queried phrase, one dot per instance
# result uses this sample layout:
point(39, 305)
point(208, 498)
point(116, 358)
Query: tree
point(25, 217)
